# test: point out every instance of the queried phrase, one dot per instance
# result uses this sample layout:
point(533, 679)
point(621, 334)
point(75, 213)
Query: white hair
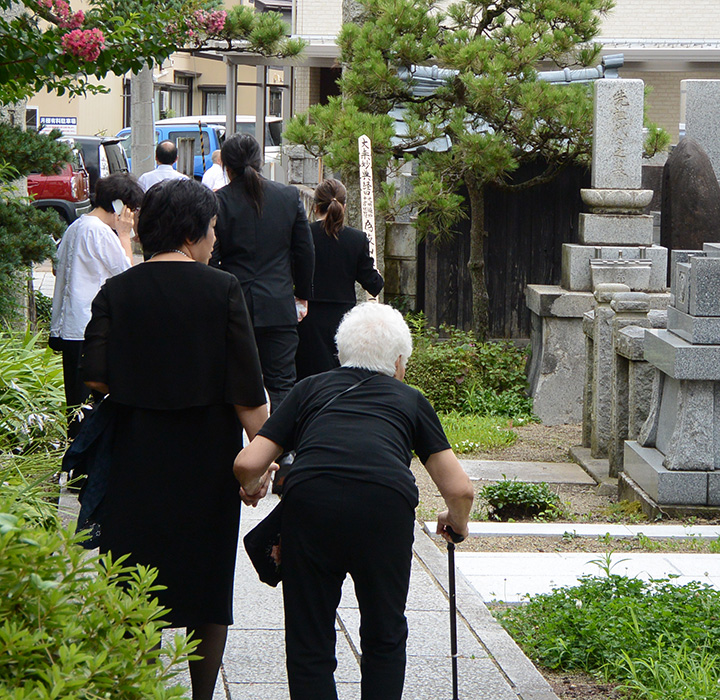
point(372, 336)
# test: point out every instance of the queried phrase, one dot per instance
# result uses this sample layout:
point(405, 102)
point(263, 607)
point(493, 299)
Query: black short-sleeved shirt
point(369, 433)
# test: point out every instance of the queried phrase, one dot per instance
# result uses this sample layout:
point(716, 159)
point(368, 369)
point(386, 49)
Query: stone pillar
point(142, 122)
point(603, 359)
point(631, 309)
point(700, 111)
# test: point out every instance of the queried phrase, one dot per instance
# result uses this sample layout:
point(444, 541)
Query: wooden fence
point(526, 230)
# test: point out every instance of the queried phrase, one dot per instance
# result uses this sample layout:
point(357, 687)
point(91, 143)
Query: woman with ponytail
point(263, 238)
point(342, 257)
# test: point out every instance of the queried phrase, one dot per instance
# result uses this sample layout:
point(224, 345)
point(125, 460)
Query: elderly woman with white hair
point(349, 501)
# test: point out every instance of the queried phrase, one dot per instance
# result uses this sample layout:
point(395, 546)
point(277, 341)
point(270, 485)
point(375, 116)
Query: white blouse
point(89, 252)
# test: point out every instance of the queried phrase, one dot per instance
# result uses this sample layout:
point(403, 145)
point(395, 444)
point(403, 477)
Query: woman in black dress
point(342, 257)
point(171, 342)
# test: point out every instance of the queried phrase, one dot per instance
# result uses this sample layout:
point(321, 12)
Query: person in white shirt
point(215, 176)
point(166, 156)
point(93, 248)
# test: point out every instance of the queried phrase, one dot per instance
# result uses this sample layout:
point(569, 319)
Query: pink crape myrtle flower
point(209, 22)
point(84, 43)
point(61, 9)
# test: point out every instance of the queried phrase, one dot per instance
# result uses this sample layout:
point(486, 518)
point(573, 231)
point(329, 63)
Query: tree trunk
point(476, 261)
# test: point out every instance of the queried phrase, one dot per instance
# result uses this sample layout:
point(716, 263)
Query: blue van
point(208, 132)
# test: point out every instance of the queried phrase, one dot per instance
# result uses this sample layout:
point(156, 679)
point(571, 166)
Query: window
point(171, 100)
point(214, 101)
point(31, 118)
point(275, 102)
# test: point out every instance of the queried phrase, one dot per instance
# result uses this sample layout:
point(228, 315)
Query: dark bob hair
point(122, 186)
point(173, 212)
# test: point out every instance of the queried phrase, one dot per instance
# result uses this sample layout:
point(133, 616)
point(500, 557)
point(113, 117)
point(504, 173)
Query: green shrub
point(467, 434)
point(456, 373)
point(68, 628)
point(43, 308)
point(511, 499)
point(661, 640)
point(32, 398)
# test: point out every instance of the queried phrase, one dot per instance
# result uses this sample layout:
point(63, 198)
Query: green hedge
point(68, 628)
point(457, 373)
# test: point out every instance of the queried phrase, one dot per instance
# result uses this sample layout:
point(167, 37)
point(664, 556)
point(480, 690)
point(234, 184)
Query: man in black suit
point(263, 238)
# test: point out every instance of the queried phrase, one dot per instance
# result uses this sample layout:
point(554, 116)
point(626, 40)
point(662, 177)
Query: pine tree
point(490, 105)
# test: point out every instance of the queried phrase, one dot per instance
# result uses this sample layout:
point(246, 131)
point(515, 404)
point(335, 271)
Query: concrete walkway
point(491, 666)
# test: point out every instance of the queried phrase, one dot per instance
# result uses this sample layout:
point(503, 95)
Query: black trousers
point(333, 526)
point(76, 391)
point(277, 346)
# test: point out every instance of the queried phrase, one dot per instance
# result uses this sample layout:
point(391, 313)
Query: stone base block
point(551, 300)
point(714, 488)
point(628, 490)
point(644, 465)
point(557, 368)
point(700, 330)
point(679, 359)
point(616, 229)
point(576, 275)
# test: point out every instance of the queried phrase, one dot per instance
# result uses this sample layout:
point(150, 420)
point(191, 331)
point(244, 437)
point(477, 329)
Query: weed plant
point(32, 398)
point(657, 639)
point(458, 373)
point(511, 499)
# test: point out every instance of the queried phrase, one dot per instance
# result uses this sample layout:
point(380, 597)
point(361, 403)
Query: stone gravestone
point(700, 111)
point(690, 200)
point(676, 458)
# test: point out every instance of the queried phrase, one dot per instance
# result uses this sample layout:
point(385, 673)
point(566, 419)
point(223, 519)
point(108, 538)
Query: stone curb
point(519, 671)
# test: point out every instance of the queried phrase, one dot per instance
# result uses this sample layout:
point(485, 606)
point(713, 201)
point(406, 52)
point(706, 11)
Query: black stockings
point(203, 673)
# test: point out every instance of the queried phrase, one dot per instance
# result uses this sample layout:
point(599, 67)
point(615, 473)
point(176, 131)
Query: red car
point(68, 192)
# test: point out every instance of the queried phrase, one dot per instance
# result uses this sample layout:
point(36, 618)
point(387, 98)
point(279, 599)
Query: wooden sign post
point(367, 198)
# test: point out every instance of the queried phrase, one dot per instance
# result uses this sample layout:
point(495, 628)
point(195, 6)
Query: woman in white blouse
point(93, 248)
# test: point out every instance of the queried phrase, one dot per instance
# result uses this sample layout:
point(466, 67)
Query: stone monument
point(615, 247)
point(690, 199)
point(675, 460)
point(699, 110)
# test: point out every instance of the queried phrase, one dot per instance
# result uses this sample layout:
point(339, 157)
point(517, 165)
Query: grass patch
point(468, 434)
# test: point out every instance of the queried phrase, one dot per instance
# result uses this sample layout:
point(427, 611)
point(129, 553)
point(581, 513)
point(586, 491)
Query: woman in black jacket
point(342, 257)
point(263, 238)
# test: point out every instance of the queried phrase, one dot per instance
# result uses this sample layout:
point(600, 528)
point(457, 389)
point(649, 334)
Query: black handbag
point(259, 543)
point(265, 536)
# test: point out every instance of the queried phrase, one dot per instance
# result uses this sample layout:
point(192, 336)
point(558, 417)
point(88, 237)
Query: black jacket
point(271, 254)
point(341, 262)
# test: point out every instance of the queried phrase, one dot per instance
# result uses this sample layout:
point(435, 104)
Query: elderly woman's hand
point(257, 488)
point(445, 523)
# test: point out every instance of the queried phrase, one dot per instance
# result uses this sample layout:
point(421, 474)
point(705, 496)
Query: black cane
point(453, 606)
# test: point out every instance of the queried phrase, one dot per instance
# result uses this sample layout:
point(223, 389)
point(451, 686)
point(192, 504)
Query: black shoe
point(285, 463)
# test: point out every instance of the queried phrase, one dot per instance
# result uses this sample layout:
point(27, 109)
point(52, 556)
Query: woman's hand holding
point(253, 491)
point(445, 522)
point(125, 222)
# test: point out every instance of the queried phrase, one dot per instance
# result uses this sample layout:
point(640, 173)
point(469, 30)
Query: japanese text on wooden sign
point(367, 199)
